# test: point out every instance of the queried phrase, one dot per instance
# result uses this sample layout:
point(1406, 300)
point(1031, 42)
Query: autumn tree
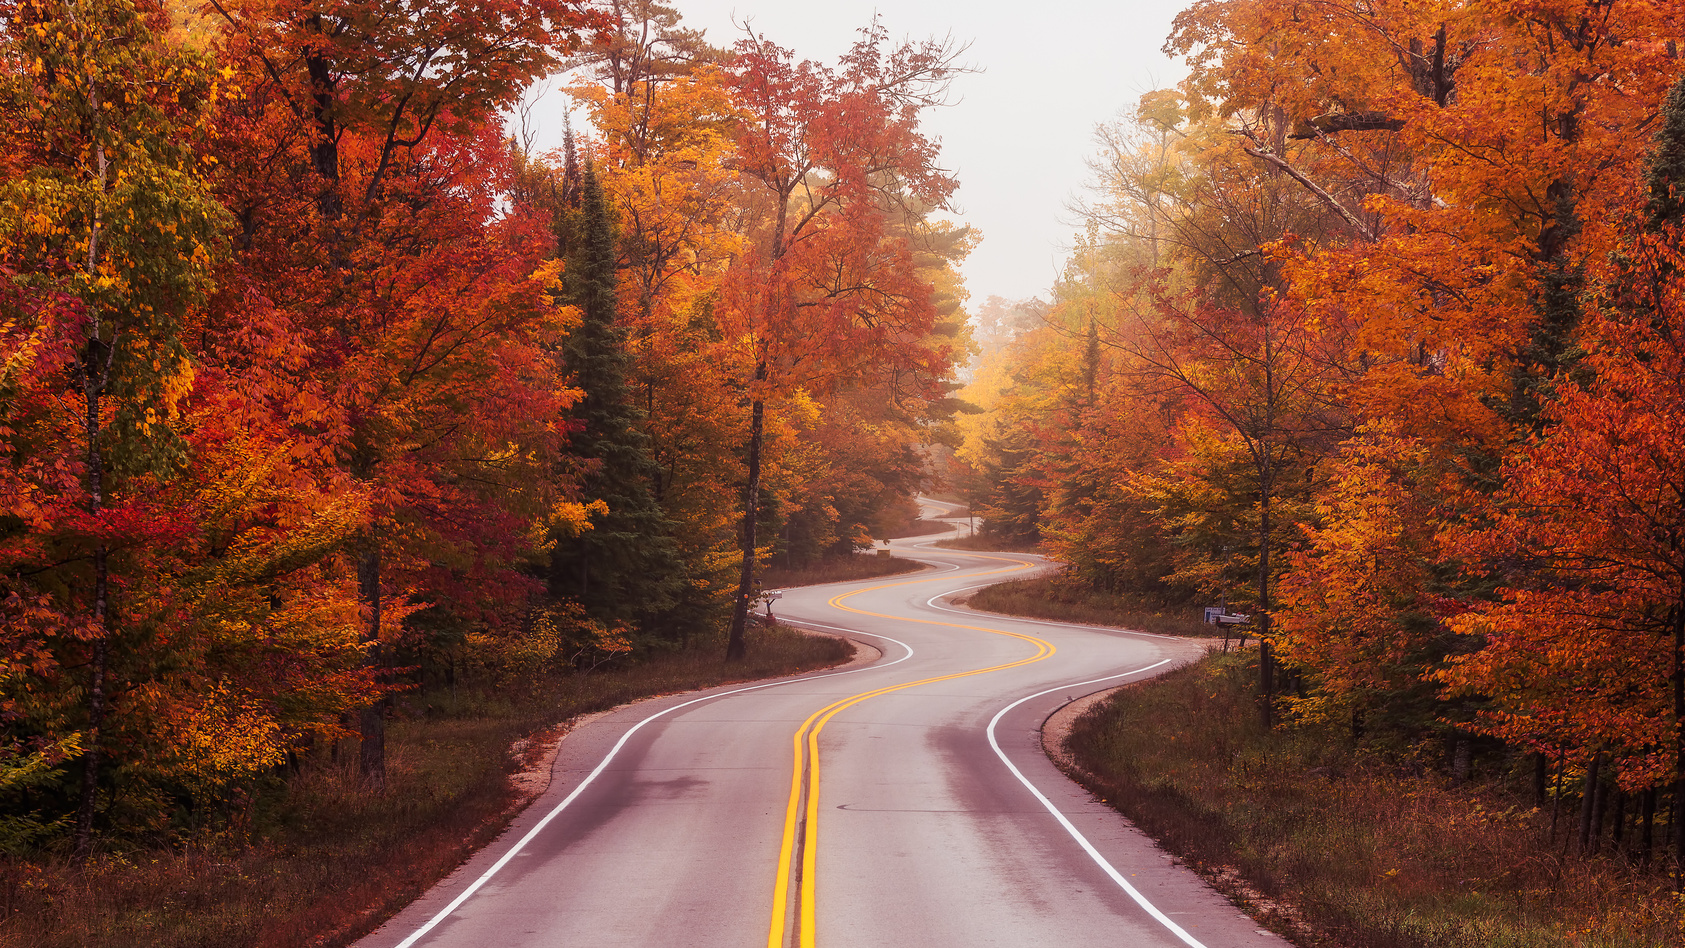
point(1364, 602)
point(824, 292)
point(1443, 282)
point(366, 194)
point(111, 232)
point(1203, 320)
point(1583, 656)
point(641, 51)
point(868, 442)
point(996, 447)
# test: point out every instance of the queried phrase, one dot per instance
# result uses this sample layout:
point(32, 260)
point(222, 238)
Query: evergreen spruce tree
point(627, 566)
point(1666, 174)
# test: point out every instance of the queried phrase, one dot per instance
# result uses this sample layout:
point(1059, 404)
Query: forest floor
point(327, 859)
point(1336, 846)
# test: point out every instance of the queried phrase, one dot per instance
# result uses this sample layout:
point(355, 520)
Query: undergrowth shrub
point(1334, 843)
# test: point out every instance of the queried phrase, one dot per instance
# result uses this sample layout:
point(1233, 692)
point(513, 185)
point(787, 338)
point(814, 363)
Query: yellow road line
point(808, 733)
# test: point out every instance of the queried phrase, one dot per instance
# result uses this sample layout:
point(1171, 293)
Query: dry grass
point(330, 861)
point(989, 543)
point(839, 569)
point(921, 528)
point(1054, 597)
point(1331, 847)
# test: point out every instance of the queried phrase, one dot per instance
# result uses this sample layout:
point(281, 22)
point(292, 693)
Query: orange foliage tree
point(1583, 656)
point(1368, 246)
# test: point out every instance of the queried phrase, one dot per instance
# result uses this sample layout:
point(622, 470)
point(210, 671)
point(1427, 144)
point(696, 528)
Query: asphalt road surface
point(904, 800)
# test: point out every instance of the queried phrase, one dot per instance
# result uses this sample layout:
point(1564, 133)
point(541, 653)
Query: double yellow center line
point(801, 815)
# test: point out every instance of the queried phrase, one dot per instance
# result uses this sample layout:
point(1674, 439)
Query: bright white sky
point(1023, 127)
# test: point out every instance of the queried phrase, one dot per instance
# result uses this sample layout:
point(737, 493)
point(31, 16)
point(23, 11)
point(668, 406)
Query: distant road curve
point(906, 802)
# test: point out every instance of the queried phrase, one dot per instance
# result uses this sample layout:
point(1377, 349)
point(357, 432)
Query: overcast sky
point(1023, 126)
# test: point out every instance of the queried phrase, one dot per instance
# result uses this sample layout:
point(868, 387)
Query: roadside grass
point(989, 543)
point(1333, 847)
point(331, 860)
point(920, 528)
point(1056, 598)
point(838, 569)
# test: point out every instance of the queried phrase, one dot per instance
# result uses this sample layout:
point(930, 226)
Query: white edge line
point(931, 602)
point(1088, 847)
point(485, 877)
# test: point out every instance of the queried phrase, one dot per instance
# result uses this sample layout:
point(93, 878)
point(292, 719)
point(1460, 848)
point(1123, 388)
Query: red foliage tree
point(826, 291)
point(403, 336)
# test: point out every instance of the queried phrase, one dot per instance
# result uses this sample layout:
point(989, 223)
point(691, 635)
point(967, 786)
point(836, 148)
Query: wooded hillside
point(1375, 334)
point(316, 386)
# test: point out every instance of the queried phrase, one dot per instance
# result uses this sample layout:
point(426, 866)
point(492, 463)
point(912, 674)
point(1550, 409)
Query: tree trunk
point(1266, 491)
point(1617, 831)
point(96, 371)
point(1588, 801)
point(96, 711)
point(1556, 799)
point(1647, 824)
point(1266, 656)
point(1676, 813)
point(736, 648)
point(1677, 615)
point(324, 151)
point(371, 721)
point(1599, 807)
point(96, 376)
point(1462, 761)
point(325, 161)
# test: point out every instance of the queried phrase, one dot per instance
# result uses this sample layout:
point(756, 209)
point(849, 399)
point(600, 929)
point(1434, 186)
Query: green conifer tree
point(627, 566)
point(1666, 174)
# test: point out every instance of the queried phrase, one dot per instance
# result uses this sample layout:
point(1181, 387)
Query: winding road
point(902, 800)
